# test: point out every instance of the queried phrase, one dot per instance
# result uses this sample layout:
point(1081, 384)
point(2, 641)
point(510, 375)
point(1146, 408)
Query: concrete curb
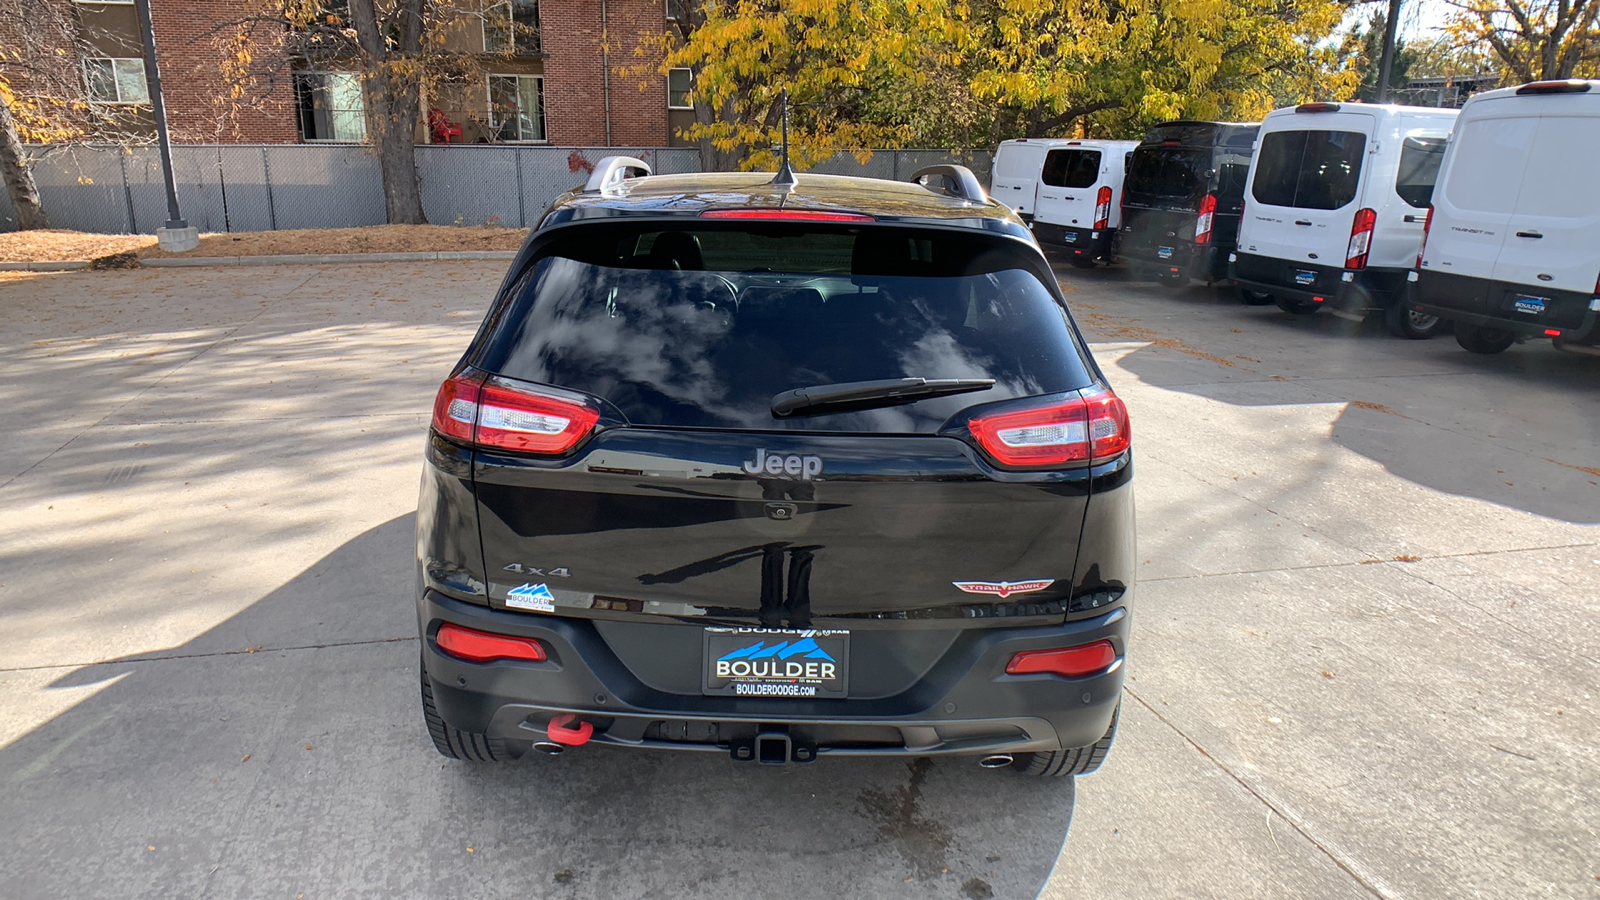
point(290, 259)
point(71, 265)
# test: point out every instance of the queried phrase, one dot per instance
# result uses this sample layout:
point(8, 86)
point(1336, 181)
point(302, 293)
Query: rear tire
point(1063, 763)
point(1298, 307)
point(1410, 324)
point(1483, 340)
point(1253, 298)
point(455, 743)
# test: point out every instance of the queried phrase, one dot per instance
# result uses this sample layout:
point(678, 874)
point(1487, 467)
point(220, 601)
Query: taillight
point(1071, 662)
point(481, 646)
point(1427, 224)
point(1355, 256)
point(1091, 427)
point(1102, 209)
point(1202, 225)
point(496, 413)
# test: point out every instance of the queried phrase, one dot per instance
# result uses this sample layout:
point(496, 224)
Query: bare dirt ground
point(55, 245)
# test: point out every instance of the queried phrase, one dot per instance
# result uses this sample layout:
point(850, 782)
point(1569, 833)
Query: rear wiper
point(873, 393)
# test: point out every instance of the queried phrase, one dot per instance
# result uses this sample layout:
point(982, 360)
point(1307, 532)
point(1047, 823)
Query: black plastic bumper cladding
point(965, 703)
point(1370, 288)
point(1493, 304)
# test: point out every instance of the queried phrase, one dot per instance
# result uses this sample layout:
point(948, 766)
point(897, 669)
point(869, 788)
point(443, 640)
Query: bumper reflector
point(481, 646)
point(1071, 662)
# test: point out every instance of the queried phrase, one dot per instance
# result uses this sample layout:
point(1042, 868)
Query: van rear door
point(1067, 186)
point(1016, 174)
point(1305, 188)
point(1483, 171)
point(1552, 241)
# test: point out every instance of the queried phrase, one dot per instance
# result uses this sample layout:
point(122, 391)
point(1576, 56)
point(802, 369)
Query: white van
point(1079, 199)
point(1513, 246)
point(1014, 178)
point(1335, 207)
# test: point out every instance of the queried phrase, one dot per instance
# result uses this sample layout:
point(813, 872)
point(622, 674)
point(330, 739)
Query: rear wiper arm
point(873, 393)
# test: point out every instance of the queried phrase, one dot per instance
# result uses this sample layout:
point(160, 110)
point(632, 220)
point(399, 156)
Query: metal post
point(1391, 23)
point(152, 74)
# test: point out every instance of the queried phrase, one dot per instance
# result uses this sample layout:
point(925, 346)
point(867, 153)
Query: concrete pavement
point(1365, 657)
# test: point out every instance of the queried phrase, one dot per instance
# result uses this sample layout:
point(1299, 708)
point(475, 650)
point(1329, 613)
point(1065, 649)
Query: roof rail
point(958, 182)
point(611, 171)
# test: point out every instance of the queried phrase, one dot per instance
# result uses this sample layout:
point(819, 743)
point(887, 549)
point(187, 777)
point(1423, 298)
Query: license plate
point(1304, 277)
point(1533, 306)
point(1164, 252)
point(1070, 237)
point(777, 662)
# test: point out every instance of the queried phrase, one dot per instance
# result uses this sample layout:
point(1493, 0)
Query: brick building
point(541, 72)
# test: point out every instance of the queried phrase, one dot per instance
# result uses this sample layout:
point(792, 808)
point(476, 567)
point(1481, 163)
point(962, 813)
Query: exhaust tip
point(550, 747)
point(995, 761)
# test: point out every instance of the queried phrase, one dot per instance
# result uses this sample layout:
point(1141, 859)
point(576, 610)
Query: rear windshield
point(1071, 168)
point(1309, 169)
point(1419, 169)
point(702, 327)
point(1167, 176)
point(1017, 162)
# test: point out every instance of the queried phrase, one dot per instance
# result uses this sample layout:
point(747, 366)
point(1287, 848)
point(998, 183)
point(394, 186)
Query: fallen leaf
point(1406, 557)
point(1327, 674)
point(246, 758)
point(308, 746)
point(470, 850)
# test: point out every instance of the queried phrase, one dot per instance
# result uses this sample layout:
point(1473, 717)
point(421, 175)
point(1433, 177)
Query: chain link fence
point(280, 186)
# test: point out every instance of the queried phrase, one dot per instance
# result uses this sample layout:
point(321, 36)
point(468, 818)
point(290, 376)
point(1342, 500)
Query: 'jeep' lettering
point(792, 465)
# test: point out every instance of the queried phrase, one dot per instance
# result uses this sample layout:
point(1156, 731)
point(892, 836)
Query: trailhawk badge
point(1003, 589)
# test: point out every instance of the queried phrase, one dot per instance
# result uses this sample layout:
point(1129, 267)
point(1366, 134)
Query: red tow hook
point(562, 731)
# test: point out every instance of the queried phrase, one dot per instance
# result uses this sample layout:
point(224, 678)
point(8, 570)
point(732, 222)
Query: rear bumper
point(1568, 316)
point(1188, 260)
point(1085, 242)
point(1357, 291)
point(965, 704)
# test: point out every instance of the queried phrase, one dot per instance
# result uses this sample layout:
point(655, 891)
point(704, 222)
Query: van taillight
point(1102, 209)
point(1092, 427)
point(1202, 226)
point(1355, 256)
point(1427, 223)
point(497, 413)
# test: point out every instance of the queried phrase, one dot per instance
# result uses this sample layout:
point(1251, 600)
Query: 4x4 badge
point(1003, 589)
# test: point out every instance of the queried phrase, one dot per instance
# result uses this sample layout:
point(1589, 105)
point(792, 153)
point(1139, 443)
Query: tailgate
point(649, 522)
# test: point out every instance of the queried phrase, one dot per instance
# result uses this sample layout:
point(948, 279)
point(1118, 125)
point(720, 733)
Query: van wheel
point(1298, 307)
point(1061, 763)
point(1253, 298)
point(1410, 324)
point(455, 743)
point(1483, 340)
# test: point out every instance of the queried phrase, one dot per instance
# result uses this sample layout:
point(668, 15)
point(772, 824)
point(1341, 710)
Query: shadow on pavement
point(252, 762)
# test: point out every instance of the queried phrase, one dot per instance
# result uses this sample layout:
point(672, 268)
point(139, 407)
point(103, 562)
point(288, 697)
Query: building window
point(329, 106)
point(516, 107)
point(678, 83)
point(511, 26)
point(116, 80)
point(677, 10)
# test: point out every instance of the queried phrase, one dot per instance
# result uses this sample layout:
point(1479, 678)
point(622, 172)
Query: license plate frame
point(1305, 277)
point(1163, 253)
point(1529, 305)
point(788, 663)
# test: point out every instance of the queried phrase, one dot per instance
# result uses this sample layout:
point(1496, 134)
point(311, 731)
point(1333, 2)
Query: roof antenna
point(785, 174)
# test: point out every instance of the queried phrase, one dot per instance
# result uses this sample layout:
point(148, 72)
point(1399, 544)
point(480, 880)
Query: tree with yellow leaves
point(1532, 40)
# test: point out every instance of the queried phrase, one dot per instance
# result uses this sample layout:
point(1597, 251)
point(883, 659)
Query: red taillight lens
point(1427, 225)
point(481, 646)
point(1102, 209)
point(1355, 256)
point(1088, 428)
point(786, 215)
point(1202, 226)
point(496, 414)
point(1070, 662)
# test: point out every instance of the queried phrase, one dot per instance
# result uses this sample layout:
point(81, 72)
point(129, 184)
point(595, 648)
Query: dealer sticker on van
point(1164, 252)
point(1533, 306)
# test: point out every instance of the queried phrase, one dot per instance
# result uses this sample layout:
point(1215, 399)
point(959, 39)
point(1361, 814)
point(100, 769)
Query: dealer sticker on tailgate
point(777, 662)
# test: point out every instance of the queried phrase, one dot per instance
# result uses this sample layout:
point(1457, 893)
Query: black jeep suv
point(779, 468)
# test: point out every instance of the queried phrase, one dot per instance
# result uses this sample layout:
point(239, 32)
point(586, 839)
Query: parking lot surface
point(1365, 662)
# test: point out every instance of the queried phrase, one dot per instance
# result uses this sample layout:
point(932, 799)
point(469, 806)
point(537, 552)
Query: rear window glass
point(1419, 169)
point(1071, 168)
point(1018, 162)
point(1309, 169)
point(1169, 174)
point(1486, 171)
point(702, 327)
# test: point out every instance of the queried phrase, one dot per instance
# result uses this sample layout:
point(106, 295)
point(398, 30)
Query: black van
point(1182, 200)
